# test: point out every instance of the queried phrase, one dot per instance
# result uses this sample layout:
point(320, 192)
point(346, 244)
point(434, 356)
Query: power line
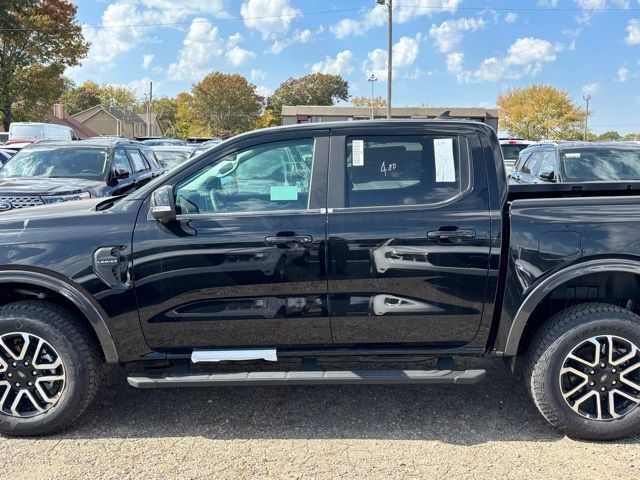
point(443, 8)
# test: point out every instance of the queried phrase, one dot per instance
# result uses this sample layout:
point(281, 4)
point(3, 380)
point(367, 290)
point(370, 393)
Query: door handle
point(451, 234)
point(288, 239)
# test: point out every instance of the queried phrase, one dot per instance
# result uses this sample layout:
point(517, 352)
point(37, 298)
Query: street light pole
point(389, 5)
point(372, 78)
point(586, 98)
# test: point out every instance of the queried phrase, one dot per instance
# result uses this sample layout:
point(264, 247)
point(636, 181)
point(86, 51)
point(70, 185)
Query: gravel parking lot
point(490, 430)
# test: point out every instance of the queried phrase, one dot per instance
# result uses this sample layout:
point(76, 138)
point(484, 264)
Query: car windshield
point(171, 159)
point(51, 162)
point(26, 131)
point(602, 164)
point(511, 151)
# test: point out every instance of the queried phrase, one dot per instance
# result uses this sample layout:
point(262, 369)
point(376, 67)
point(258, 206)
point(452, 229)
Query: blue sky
point(447, 52)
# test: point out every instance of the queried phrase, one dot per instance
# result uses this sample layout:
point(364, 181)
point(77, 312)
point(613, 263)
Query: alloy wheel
point(32, 375)
point(600, 378)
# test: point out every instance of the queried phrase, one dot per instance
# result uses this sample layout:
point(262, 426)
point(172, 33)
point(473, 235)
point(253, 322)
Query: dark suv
point(52, 172)
point(565, 162)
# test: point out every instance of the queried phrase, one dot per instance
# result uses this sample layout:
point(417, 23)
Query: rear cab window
point(139, 163)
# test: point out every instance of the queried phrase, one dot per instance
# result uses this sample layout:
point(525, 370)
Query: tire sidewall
point(569, 421)
point(77, 379)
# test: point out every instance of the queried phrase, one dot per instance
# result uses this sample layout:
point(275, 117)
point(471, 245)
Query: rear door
point(243, 266)
point(121, 160)
point(408, 236)
point(141, 169)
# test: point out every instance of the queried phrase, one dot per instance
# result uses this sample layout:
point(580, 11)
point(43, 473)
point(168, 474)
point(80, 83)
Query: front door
point(408, 237)
point(241, 266)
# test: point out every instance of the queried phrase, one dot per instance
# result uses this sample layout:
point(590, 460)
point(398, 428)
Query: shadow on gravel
point(498, 409)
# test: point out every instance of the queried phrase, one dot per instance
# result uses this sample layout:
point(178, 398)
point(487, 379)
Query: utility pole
point(372, 78)
point(389, 5)
point(150, 110)
point(586, 98)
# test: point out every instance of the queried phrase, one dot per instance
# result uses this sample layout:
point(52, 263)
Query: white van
point(45, 131)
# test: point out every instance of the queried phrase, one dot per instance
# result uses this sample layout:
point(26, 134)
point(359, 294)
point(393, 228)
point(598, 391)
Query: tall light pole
point(372, 78)
point(586, 98)
point(389, 5)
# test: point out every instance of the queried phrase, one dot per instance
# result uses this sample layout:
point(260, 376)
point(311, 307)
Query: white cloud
point(339, 65)
point(139, 87)
point(299, 36)
point(449, 34)
point(623, 74)
point(257, 75)
point(591, 89)
point(263, 91)
point(404, 11)
point(524, 57)
point(237, 56)
point(633, 32)
point(548, 3)
point(201, 49)
point(108, 43)
point(405, 53)
point(511, 17)
point(270, 17)
point(146, 60)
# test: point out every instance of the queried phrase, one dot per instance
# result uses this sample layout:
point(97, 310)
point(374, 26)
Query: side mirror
point(548, 176)
point(120, 173)
point(163, 204)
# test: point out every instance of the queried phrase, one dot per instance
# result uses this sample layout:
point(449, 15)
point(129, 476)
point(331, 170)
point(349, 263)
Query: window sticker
point(572, 155)
point(357, 148)
point(283, 193)
point(445, 162)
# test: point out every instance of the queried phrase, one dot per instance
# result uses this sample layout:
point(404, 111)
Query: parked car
point(172, 156)
point(559, 162)
point(52, 172)
point(203, 147)
point(155, 142)
point(413, 248)
point(5, 155)
point(511, 148)
point(40, 131)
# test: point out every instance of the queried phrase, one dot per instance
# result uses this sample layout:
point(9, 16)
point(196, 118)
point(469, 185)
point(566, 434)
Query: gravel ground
point(489, 430)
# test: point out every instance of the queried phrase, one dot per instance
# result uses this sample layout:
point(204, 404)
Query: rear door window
point(405, 170)
point(121, 160)
point(139, 163)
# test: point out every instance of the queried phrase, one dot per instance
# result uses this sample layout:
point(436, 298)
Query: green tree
point(540, 112)
point(39, 39)
point(367, 102)
point(165, 109)
point(312, 89)
point(225, 104)
point(184, 125)
point(633, 136)
point(90, 94)
point(611, 136)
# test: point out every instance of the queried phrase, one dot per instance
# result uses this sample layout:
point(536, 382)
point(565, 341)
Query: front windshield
point(171, 159)
point(602, 164)
point(52, 162)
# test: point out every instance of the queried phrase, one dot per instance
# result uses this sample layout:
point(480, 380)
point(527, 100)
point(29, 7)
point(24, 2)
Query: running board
point(367, 377)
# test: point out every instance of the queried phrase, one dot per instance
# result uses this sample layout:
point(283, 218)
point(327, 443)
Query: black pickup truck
point(279, 250)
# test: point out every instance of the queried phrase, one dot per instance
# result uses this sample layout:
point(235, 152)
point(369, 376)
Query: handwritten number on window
point(384, 168)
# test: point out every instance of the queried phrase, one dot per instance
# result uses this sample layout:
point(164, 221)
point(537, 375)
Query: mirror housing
point(120, 173)
point(549, 176)
point(163, 204)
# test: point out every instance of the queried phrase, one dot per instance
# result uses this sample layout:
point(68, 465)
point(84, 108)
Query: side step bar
point(368, 377)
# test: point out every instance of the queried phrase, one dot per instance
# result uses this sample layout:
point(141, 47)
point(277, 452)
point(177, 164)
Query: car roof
point(95, 142)
point(171, 148)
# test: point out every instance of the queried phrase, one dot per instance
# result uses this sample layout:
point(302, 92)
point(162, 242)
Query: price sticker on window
point(357, 149)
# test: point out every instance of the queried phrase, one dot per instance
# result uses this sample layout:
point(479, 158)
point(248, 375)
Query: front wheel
point(48, 368)
point(584, 371)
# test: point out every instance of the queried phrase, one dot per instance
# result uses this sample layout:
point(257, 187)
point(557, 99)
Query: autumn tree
point(540, 112)
point(226, 104)
point(183, 125)
point(312, 89)
point(39, 39)
point(367, 102)
point(90, 94)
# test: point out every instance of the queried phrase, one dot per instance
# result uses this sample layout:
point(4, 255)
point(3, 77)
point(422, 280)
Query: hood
point(47, 186)
point(62, 209)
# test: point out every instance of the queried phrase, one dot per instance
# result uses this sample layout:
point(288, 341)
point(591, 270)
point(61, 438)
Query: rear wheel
point(584, 371)
point(48, 368)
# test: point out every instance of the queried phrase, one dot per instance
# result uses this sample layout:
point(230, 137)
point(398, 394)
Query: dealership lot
point(488, 430)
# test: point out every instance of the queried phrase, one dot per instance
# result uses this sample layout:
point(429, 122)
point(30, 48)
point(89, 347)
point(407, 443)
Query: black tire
point(81, 361)
point(549, 348)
